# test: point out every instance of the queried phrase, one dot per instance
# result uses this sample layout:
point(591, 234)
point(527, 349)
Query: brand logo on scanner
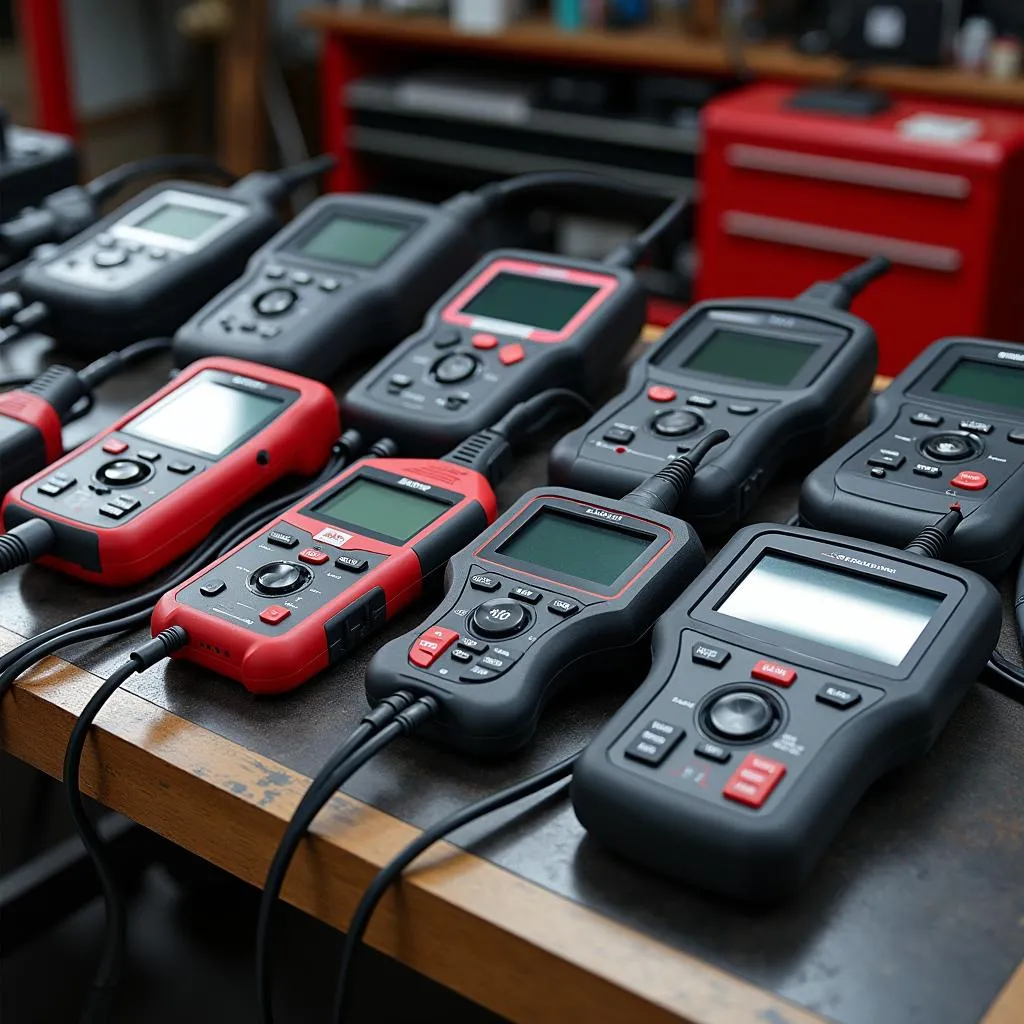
point(601, 514)
point(248, 382)
point(1017, 357)
point(406, 482)
point(839, 557)
point(336, 538)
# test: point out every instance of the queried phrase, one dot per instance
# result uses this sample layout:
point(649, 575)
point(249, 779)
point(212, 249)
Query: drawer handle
point(850, 172)
point(836, 240)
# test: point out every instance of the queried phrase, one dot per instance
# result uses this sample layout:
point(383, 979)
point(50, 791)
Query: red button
point(274, 614)
point(753, 781)
point(661, 393)
point(970, 480)
point(511, 354)
point(115, 447)
point(313, 557)
point(431, 645)
point(773, 672)
point(484, 341)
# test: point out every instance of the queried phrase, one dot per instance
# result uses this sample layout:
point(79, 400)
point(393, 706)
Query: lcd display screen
point(362, 243)
point(178, 221)
point(993, 383)
point(530, 301)
point(752, 357)
point(206, 417)
point(369, 506)
point(804, 599)
point(556, 542)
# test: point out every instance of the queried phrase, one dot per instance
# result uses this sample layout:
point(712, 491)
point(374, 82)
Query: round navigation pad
point(123, 473)
point(277, 579)
point(740, 715)
point(676, 423)
point(500, 618)
point(454, 368)
point(951, 447)
point(275, 302)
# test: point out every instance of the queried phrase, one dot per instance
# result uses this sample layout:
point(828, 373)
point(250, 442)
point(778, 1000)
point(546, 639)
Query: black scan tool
point(144, 269)
point(793, 672)
point(561, 580)
point(950, 427)
point(780, 376)
point(517, 323)
point(352, 273)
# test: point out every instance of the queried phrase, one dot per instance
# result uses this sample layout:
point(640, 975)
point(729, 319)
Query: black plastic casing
point(37, 164)
point(370, 310)
point(500, 715)
point(789, 423)
point(429, 428)
point(842, 495)
point(91, 318)
point(673, 817)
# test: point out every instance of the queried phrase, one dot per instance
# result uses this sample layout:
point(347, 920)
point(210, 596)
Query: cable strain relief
point(388, 708)
point(416, 714)
point(60, 387)
point(25, 543)
point(487, 452)
point(384, 448)
point(163, 645)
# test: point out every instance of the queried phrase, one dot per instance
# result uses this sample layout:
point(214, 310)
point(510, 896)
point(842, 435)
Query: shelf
point(651, 48)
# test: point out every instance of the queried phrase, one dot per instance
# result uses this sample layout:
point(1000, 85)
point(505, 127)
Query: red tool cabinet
point(791, 196)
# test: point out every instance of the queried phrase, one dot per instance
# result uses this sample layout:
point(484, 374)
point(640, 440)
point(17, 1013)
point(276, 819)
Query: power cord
point(840, 293)
point(397, 716)
point(108, 974)
point(393, 869)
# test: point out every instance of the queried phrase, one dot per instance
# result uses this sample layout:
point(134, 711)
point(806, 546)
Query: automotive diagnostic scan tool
point(792, 673)
point(149, 488)
point(950, 427)
point(780, 376)
point(351, 274)
point(561, 580)
point(145, 268)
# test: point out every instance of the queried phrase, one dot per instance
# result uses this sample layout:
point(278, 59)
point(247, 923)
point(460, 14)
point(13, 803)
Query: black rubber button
point(279, 578)
point(500, 617)
point(454, 368)
point(741, 715)
point(676, 423)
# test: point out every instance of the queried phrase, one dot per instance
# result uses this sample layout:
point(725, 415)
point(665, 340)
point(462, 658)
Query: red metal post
point(339, 65)
point(42, 32)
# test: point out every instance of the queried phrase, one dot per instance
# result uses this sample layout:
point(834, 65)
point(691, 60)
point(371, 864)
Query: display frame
point(445, 499)
point(594, 515)
point(685, 340)
point(127, 229)
point(606, 285)
point(293, 246)
point(926, 385)
point(250, 386)
point(847, 558)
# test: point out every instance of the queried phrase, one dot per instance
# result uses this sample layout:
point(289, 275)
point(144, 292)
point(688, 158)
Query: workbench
point(916, 914)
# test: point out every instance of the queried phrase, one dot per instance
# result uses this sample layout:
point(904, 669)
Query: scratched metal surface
point(915, 914)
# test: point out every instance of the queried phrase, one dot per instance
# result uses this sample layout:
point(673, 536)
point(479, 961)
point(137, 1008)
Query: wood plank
point(1009, 1005)
point(658, 47)
point(497, 939)
point(241, 122)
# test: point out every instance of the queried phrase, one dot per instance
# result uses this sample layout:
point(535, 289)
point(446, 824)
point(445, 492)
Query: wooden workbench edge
point(501, 941)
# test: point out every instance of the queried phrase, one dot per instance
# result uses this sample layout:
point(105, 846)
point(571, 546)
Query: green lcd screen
point(752, 357)
point(362, 243)
point(179, 221)
point(985, 382)
point(561, 543)
point(368, 506)
point(530, 301)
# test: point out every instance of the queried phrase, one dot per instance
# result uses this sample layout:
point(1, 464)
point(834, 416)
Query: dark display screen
point(369, 506)
point(530, 301)
point(873, 619)
point(752, 357)
point(993, 383)
point(179, 221)
point(566, 544)
point(363, 243)
point(206, 417)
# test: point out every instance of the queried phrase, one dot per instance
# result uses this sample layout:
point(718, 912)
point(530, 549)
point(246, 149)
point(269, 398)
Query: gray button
point(741, 715)
point(107, 258)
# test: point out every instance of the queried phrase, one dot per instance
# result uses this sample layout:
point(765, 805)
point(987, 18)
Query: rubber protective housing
point(495, 717)
point(888, 511)
point(790, 424)
point(266, 661)
point(298, 441)
point(681, 825)
point(30, 436)
point(91, 322)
